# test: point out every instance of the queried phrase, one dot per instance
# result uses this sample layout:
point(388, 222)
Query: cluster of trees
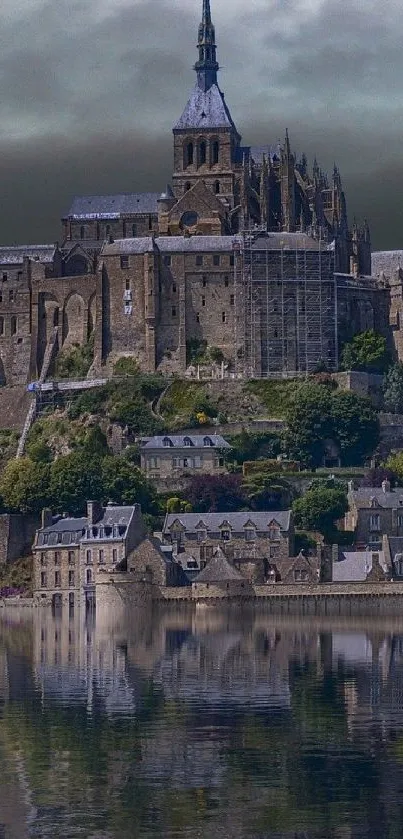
point(367, 351)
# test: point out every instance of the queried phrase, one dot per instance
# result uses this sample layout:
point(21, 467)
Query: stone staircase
point(51, 348)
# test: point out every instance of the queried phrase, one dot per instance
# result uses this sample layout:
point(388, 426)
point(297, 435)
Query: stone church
point(247, 252)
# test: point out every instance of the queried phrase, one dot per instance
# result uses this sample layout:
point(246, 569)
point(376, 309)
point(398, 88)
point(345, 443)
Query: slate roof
point(389, 500)
point(258, 152)
point(218, 570)
point(15, 255)
point(205, 109)
point(237, 521)
point(63, 531)
point(354, 566)
point(171, 244)
point(289, 241)
point(386, 261)
point(89, 207)
point(395, 545)
point(197, 441)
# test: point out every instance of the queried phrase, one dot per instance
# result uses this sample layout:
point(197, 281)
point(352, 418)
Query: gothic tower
point(206, 141)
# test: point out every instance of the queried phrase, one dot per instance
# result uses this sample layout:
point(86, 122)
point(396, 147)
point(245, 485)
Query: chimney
point(95, 511)
point(350, 486)
point(47, 518)
point(385, 486)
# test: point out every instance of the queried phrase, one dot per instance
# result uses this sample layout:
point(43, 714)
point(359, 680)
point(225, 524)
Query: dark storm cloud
point(89, 92)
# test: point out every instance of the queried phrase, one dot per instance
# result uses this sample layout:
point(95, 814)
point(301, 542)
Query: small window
point(204, 282)
point(174, 311)
point(43, 579)
point(167, 259)
point(43, 558)
point(187, 442)
point(101, 557)
point(216, 259)
point(226, 282)
point(167, 443)
point(250, 534)
point(226, 535)
point(124, 261)
point(88, 576)
point(375, 522)
point(203, 300)
point(232, 259)
point(57, 579)
point(232, 300)
point(107, 229)
point(187, 186)
point(1, 296)
point(189, 154)
point(224, 317)
point(114, 555)
point(207, 441)
point(72, 579)
point(11, 295)
point(1, 325)
point(174, 288)
point(217, 187)
point(215, 154)
point(202, 153)
point(134, 230)
point(127, 284)
point(5, 278)
point(88, 557)
point(197, 317)
point(150, 222)
point(199, 259)
point(57, 557)
point(19, 275)
point(72, 557)
point(82, 232)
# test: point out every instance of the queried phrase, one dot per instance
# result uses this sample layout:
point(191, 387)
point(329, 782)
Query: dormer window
point(225, 535)
point(187, 442)
point(250, 534)
point(208, 441)
point(274, 533)
point(201, 535)
point(167, 443)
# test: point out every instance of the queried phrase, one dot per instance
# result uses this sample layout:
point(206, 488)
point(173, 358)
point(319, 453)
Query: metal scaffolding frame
point(285, 309)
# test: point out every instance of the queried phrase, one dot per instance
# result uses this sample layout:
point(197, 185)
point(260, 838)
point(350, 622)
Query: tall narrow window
point(202, 153)
point(107, 229)
point(187, 186)
point(215, 153)
point(82, 232)
point(217, 187)
point(134, 230)
point(224, 317)
point(13, 323)
point(189, 154)
point(1, 326)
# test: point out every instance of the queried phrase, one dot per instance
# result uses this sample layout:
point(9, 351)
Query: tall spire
point(207, 66)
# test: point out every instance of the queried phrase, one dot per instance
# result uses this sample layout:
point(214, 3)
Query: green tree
point(395, 464)
point(367, 351)
point(393, 389)
point(25, 485)
point(124, 483)
point(318, 415)
point(74, 480)
point(320, 508)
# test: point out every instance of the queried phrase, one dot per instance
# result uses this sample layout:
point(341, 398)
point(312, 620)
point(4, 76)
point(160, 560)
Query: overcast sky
point(90, 89)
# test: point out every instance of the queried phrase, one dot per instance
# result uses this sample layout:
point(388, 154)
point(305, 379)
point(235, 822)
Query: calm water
point(196, 726)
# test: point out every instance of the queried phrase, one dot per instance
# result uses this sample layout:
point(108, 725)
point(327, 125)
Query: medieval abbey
point(247, 251)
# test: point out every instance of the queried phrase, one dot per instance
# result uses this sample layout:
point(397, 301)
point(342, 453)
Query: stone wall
point(17, 534)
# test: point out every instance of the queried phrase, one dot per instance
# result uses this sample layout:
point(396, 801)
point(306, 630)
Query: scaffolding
point(285, 306)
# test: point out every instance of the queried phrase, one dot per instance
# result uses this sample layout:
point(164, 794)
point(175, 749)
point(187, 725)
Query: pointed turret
point(207, 66)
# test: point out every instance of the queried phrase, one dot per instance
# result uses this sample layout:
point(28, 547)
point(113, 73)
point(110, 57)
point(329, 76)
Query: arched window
point(13, 323)
point(217, 187)
point(215, 152)
point(189, 158)
point(82, 232)
point(202, 153)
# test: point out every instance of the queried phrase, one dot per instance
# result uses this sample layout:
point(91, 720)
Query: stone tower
point(206, 141)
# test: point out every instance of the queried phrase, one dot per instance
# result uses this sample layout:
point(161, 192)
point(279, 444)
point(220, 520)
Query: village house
point(295, 569)
point(220, 579)
point(392, 547)
point(373, 512)
point(360, 567)
point(165, 457)
point(70, 552)
point(251, 542)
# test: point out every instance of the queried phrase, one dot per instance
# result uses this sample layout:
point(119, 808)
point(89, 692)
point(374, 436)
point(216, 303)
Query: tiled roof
point(354, 566)
point(218, 570)
point(197, 441)
point(15, 255)
point(389, 500)
point(89, 207)
point(237, 521)
point(205, 109)
point(386, 261)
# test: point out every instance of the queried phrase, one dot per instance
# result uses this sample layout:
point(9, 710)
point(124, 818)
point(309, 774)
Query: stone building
point(361, 567)
point(220, 579)
point(69, 553)
point(250, 541)
point(247, 251)
point(165, 457)
point(374, 512)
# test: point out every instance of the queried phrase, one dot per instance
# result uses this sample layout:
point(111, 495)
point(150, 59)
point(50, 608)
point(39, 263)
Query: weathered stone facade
point(374, 512)
point(239, 254)
point(178, 456)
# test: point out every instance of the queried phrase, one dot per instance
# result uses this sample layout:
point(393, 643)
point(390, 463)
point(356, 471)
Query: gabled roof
point(15, 255)
point(88, 207)
point(178, 441)
point(218, 570)
point(238, 521)
point(354, 566)
point(389, 500)
point(205, 109)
